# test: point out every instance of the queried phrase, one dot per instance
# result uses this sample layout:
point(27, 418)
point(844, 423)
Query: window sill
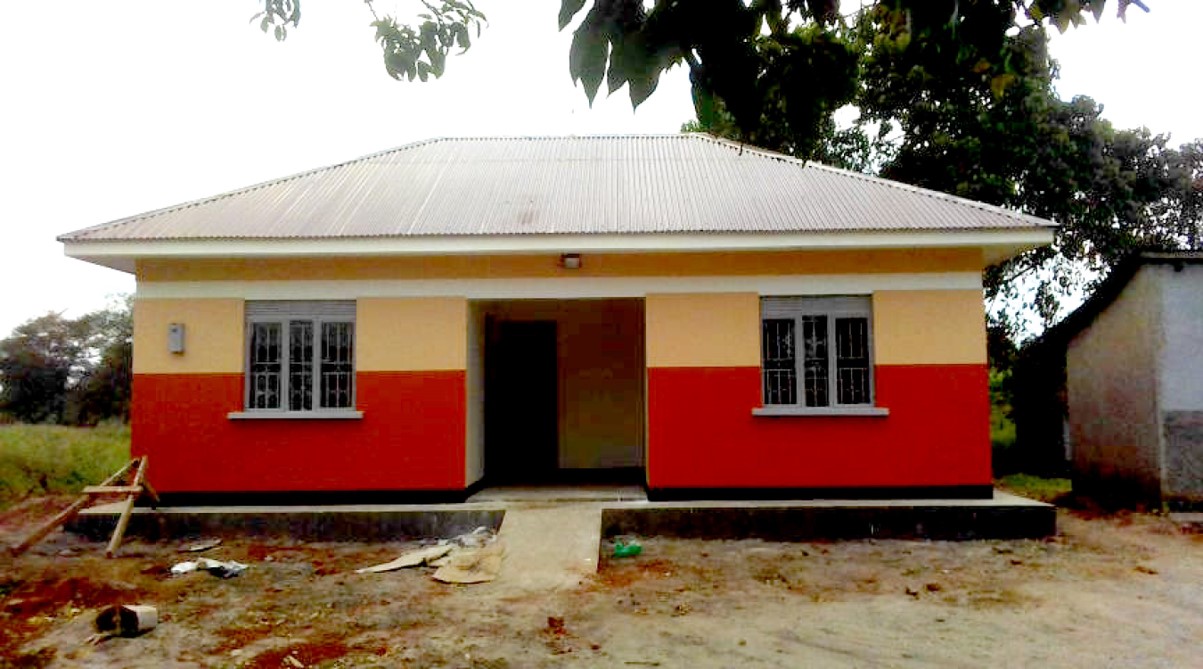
point(782, 410)
point(325, 414)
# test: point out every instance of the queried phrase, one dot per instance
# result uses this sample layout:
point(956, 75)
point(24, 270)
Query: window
point(300, 356)
point(815, 351)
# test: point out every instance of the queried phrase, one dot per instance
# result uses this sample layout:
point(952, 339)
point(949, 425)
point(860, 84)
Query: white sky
point(109, 109)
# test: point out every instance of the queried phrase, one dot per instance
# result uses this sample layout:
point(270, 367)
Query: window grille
point(835, 365)
point(301, 355)
point(780, 367)
point(265, 366)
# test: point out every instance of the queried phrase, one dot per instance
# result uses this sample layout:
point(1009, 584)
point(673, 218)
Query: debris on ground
point(414, 558)
point(558, 638)
point(474, 557)
point(472, 565)
point(201, 546)
point(216, 567)
point(478, 538)
point(127, 620)
point(627, 548)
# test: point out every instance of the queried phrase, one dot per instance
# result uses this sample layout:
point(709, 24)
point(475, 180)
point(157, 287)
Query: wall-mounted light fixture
point(175, 338)
point(570, 261)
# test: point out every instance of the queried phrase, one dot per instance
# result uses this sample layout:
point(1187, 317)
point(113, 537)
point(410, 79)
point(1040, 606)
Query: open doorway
point(559, 392)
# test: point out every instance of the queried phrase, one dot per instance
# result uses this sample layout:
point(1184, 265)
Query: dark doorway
point(521, 402)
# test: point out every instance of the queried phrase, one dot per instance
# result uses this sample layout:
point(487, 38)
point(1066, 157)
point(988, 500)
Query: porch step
point(561, 493)
point(549, 547)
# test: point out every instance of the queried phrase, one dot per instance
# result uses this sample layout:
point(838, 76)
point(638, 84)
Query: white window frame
point(282, 313)
point(833, 307)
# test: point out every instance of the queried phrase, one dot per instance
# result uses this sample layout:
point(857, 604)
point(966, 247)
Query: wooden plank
point(66, 514)
point(154, 496)
point(111, 489)
point(127, 510)
point(62, 517)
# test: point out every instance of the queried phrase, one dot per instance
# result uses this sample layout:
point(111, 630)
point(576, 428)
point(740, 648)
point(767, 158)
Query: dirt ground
point(1116, 591)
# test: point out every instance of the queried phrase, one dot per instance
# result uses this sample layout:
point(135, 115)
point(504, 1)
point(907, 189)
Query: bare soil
point(1114, 591)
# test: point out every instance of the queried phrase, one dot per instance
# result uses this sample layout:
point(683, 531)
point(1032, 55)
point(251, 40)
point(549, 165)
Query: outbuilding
point(1134, 383)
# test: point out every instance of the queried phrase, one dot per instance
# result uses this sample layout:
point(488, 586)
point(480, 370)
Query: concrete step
point(561, 493)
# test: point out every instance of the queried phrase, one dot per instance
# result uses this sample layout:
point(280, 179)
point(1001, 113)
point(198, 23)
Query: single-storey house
point(1134, 383)
point(704, 317)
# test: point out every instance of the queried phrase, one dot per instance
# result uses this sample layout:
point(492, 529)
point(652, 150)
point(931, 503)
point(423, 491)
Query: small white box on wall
point(175, 338)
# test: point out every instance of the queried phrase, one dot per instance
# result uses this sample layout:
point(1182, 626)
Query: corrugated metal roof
point(561, 185)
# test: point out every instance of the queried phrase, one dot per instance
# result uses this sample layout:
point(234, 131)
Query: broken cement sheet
point(215, 567)
point(478, 538)
point(412, 558)
point(472, 565)
point(202, 546)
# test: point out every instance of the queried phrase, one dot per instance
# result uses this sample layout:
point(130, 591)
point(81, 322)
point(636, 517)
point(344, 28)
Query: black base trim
point(315, 497)
point(919, 492)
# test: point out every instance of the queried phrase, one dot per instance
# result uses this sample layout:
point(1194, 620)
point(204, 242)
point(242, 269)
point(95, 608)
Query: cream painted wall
point(929, 327)
point(1111, 381)
point(213, 336)
point(410, 334)
point(703, 330)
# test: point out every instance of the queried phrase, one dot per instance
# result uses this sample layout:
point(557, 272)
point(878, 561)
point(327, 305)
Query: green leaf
point(587, 58)
point(642, 87)
point(999, 84)
point(568, 9)
point(438, 62)
point(705, 104)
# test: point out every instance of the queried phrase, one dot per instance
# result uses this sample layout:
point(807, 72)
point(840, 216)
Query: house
point(705, 318)
point(1134, 383)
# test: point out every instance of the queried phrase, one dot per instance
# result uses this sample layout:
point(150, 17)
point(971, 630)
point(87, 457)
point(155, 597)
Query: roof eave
point(996, 244)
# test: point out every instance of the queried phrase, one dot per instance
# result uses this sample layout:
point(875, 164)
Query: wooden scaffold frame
point(135, 471)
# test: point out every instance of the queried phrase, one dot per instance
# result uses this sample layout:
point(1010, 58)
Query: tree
point(768, 64)
point(104, 390)
point(1182, 211)
point(38, 362)
point(59, 370)
point(959, 124)
point(409, 51)
point(783, 66)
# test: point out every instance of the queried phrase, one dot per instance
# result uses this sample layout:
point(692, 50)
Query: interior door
point(521, 402)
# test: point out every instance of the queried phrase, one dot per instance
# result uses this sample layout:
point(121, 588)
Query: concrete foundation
point(331, 523)
point(1003, 516)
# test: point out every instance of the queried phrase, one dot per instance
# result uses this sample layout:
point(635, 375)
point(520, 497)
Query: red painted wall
point(411, 437)
point(702, 434)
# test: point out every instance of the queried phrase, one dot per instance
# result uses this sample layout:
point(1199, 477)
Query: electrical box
point(175, 338)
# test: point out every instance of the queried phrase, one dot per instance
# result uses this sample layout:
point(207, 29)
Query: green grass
point(38, 459)
point(1036, 487)
point(1002, 429)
